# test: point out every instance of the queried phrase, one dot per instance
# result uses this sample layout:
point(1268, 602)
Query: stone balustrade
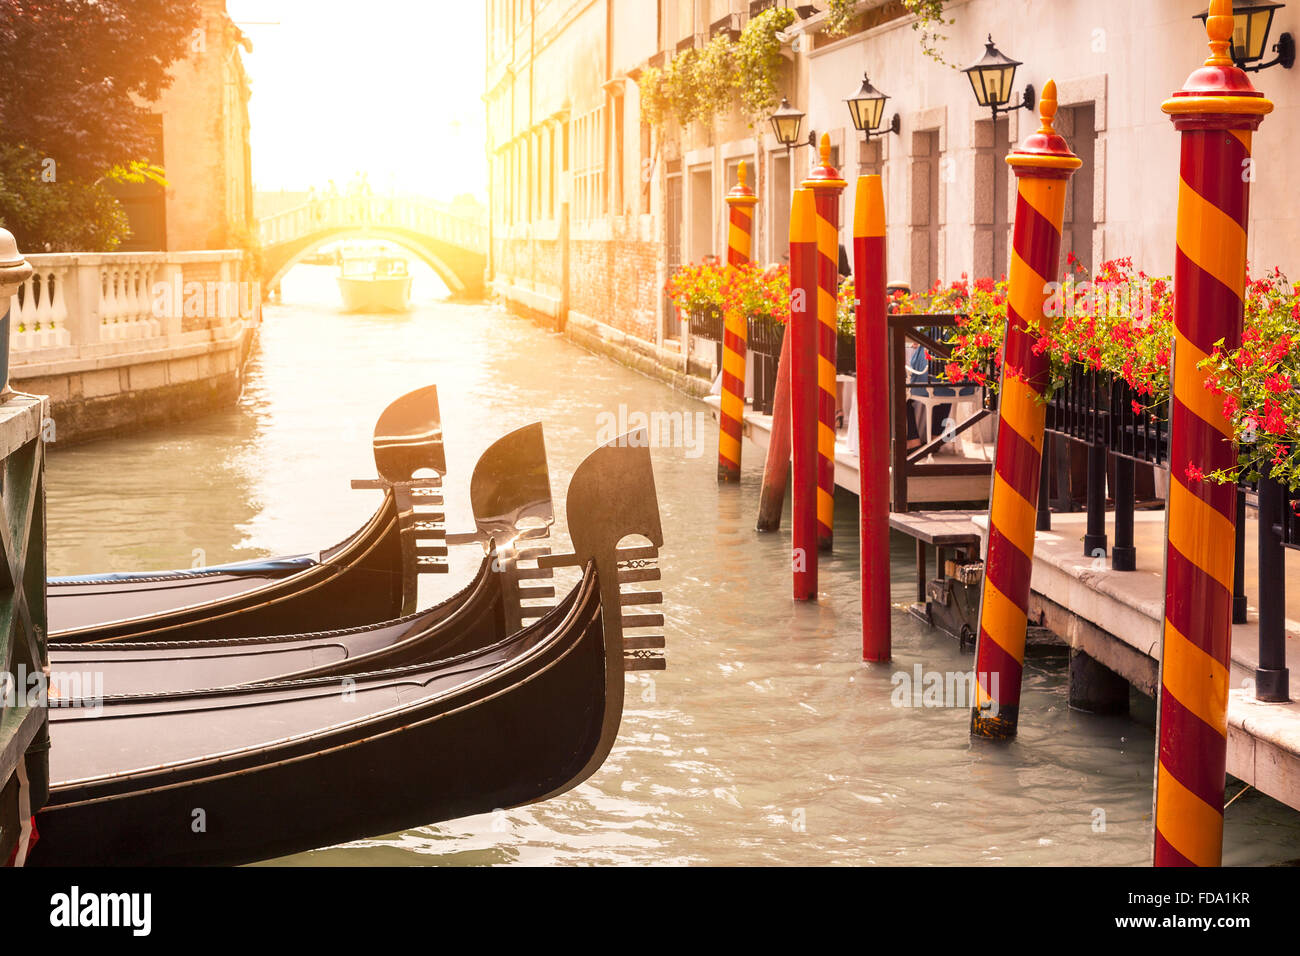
point(76, 302)
point(422, 216)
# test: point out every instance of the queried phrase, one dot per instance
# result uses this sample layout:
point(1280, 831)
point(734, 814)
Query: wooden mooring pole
point(872, 397)
point(803, 391)
point(776, 467)
point(24, 724)
point(826, 185)
point(1043, 166)
point(1216, 112)
point(731, 411)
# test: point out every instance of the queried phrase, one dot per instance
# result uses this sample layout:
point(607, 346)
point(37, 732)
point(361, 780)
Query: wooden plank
point(18, 728)
point(944, 529)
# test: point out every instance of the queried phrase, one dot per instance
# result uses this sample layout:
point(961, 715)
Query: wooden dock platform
point(921, 490)
point(1116, 618)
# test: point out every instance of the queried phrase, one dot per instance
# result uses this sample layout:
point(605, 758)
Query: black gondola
point(510, 494)
point(236, 775)
point(367, 578)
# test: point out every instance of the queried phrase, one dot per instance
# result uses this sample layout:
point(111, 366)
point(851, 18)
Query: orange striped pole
point(1043, 165)
point(731, 414)
point(826, 184)
point(1216, 112)
point(803, 391)
point(872, 396)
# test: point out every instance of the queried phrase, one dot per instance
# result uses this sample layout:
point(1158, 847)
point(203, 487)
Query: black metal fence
point(1111, 419)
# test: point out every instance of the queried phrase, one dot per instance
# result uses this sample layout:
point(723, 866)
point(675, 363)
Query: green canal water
point(765, 741)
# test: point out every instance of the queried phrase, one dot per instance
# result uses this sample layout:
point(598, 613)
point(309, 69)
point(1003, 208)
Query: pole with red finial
point(1215, 112)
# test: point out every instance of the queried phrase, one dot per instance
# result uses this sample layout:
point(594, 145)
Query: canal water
point(765, 741)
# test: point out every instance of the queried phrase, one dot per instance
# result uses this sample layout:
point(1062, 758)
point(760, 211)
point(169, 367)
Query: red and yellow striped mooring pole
point(731, 413)
point(1043, 166)
point(826, 185)
point(803, 392)
point(872, 397)
point(1216, 111)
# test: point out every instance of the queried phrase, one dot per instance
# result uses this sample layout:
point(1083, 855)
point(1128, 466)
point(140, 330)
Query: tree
point(75, 74)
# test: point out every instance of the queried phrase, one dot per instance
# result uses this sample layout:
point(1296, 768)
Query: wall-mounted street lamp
point(992, 79)
point(867, 107)
point(1251, 22)
point(785, 126)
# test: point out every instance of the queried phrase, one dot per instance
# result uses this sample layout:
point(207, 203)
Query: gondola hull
point(468, 620)
point(504, 727)
point(358, 582)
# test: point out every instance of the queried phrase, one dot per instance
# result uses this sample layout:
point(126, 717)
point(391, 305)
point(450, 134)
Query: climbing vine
point(758, 61)
point(929, 22)
point(696, 85)
point(653, 89)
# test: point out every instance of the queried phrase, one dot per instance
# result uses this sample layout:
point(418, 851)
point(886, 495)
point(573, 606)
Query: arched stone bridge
point(455, 248)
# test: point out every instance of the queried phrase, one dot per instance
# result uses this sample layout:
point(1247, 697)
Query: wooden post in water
point(731, 410)
point(803, 391)
point(24, 719)
point(873, 413)
point(826, 184)
point(1216, 112)
point(1043, 165)
point(776, 468)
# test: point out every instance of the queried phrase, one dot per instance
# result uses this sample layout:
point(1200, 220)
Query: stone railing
point(423, 216)
point(83, 301)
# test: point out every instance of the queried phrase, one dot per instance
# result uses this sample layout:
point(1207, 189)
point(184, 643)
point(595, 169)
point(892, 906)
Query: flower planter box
point(707, 324)
point(846, 353)
point(765, 336)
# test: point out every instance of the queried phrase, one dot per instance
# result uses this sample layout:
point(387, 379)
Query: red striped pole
point(873, 413)
point(776, 468)
point(1216, 112)
point(803, 391)
point(731, 411)
point(826, 184)
point(1043, 165)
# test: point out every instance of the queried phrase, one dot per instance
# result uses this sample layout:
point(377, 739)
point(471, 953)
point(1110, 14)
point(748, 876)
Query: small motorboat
point(369, 577)
point(374, 283)
point(240, 774)
point(510, 494)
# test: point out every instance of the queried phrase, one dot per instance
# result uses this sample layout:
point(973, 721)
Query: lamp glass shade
point(1251, 22)
point(993, 77)
point(867, 106)
point(785, 124)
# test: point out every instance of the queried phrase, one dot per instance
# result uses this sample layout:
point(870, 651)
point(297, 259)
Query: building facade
point(201, 137)
point(566, 138)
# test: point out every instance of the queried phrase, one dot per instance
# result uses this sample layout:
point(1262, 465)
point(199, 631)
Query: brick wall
point(610, 280)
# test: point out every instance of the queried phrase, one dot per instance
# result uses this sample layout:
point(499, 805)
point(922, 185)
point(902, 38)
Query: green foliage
point(758, 62)
point(696, 85)
point(60, 215)
point(838, 14)
point(137, 172)
point(655, 104)
point(929, 14)
point(679, 86)
point(78, 75)
point(715, 77)
point(930, 18)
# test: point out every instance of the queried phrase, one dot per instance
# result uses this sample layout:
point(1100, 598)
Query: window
point(991, 213)
point(646, 168)
point(617, 160)
point(926, 215)
point(589, 199)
